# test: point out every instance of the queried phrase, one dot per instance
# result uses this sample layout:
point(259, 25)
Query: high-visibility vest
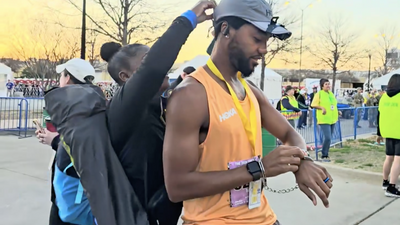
point(389, 110)
point(329, 102)
point(290, 115)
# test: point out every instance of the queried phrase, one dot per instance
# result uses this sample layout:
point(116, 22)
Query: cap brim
point(276, 30)
point(60, 68)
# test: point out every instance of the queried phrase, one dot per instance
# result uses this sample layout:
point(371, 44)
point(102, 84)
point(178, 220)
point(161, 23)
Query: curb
point(353, 174)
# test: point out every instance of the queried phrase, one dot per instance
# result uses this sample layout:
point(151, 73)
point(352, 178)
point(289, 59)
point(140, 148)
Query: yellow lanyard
point(249, 126)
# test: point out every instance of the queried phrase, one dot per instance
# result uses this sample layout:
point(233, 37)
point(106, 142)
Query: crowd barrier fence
point(17, 115)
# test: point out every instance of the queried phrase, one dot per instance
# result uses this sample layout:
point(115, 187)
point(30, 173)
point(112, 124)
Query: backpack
point(71, 201)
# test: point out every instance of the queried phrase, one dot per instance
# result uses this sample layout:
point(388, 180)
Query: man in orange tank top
point(213, 149)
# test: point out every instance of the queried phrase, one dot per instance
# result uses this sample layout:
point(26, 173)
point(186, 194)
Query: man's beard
point(239, 60)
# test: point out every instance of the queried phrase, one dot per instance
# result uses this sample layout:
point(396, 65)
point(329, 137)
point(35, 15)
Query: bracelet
point(262, 168)
point(306, 153)
point(191, 16)
point(308, 158)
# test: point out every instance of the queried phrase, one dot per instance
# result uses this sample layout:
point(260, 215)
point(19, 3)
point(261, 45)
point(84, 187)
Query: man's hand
point(311, 176)
point(201, 8)
point(340, 113)
point(282, 160)
point(300, 113)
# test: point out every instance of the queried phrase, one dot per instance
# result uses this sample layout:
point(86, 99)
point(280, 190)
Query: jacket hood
point(74, 101)
point(393, 92)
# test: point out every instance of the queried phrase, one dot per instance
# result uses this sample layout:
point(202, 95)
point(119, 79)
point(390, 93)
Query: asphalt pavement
point(355, 199)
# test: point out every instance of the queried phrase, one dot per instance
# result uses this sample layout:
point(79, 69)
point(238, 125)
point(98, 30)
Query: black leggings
point(54, 217)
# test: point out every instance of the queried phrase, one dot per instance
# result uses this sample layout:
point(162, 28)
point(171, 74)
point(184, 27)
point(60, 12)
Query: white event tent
point(381, 82)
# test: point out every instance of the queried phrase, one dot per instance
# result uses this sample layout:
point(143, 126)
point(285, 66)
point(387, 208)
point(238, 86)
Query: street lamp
point(83, 32)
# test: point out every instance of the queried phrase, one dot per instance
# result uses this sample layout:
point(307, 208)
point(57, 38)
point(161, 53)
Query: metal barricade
point(336, 137)
point(366, 120)
point(35, 111)
point(347, 121)
point(13, 116)
point(303, 125)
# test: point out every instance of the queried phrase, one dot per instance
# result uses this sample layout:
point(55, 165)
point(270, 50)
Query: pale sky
point(364, 17)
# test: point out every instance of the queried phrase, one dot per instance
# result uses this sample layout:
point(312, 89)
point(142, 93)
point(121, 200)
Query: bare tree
point(335, 46)
point(43, 49)
point(126, 21)
point(387, 42)
point(93, 49)
point(276, 47)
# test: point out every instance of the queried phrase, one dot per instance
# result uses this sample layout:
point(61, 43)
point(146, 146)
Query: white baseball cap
point(78, 68)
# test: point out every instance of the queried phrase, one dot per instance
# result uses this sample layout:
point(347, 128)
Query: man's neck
point(221, 61)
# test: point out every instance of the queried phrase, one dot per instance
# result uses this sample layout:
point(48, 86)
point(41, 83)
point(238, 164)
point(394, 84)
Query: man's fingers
point(209, 17)
point(289, 168)
point(291, 160)
point(308, 192)
point(209, 4)
point(294, 151)
point(329, 184)
point(321, 193)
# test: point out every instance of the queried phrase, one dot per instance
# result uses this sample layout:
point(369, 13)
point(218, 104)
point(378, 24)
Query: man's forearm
point(202, 184)
point(292, 138)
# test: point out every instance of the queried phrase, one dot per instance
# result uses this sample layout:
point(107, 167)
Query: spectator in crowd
point(327, 115)
point(388, 128)
point(358, 103)
point(304, 102)
point(379, 96)
point(10, 86)
point(289, 103)
point(372, 112)
point(314, 91)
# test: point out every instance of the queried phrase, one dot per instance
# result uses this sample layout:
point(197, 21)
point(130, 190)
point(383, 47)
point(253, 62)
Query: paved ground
point(25, 194)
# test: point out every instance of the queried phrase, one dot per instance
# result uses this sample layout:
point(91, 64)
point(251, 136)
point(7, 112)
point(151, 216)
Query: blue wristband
point(191, 16)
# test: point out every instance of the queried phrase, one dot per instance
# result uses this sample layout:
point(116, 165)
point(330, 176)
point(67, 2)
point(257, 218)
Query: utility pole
point(301, 46)
point(369, 71)
point(83, 32)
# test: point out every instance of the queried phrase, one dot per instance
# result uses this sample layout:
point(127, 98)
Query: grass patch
point(359, 154)
point(340, 161)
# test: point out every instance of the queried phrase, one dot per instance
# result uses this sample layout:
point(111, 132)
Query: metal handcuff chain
point(281, 191)
point(269, 189)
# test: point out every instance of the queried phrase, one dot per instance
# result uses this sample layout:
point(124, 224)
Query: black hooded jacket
point(78, 113)
point(136, 126)
point(390, 93)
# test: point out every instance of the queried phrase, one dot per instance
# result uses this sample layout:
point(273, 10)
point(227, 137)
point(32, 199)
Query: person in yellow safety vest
point(327, 115)
point(388, 128)
point(289, 103)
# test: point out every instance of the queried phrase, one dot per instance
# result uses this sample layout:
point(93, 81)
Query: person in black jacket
point(304, 104)
point(138, 140)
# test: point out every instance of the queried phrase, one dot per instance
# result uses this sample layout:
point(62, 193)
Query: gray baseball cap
point(256, 12)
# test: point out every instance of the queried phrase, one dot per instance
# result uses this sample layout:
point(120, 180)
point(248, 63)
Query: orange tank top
point(226, 142)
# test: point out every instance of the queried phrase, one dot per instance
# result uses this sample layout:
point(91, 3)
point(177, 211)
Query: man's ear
point(123, 76)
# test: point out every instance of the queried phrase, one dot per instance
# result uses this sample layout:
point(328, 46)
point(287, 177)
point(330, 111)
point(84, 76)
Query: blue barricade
point(17, 115)
point(336, 138)
point(14, 115)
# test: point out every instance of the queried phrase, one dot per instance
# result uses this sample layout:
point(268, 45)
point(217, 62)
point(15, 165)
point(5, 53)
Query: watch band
point(254, 169)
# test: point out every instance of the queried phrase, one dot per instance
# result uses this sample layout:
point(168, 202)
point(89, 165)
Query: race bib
point(240, 195)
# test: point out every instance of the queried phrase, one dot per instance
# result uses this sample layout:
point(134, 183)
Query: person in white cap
point(213, 158)
point(76, 71)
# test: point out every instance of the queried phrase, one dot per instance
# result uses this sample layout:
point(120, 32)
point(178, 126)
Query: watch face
point(254, 167)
